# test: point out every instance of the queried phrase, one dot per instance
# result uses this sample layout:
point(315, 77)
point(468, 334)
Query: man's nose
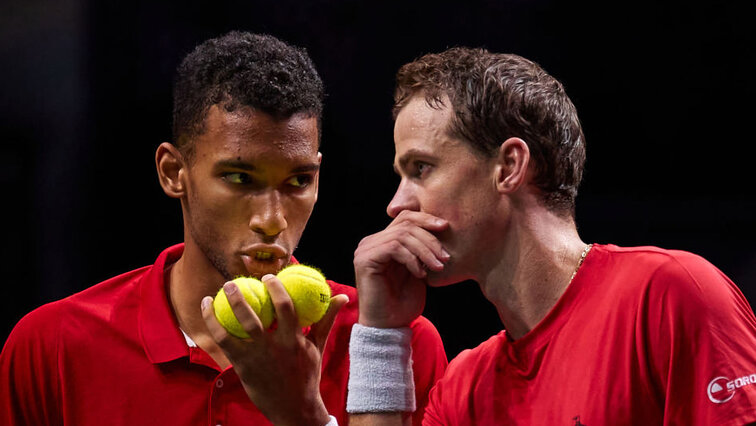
point(404, 199)
point(268, 216)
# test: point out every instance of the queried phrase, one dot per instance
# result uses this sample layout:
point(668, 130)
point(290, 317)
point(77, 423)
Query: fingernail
point(230, 287)
point(206, 302)
point(267, 277)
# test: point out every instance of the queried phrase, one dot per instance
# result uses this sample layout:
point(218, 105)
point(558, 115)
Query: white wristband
point(380, 370)
point(332, 422)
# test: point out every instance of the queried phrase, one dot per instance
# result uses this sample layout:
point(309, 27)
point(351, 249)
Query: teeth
point(263, 255)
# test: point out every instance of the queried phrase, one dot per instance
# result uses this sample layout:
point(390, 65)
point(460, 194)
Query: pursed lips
point(264, 252)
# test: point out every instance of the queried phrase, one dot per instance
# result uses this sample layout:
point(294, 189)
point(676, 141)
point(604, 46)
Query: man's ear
point(171, 169)
point(317, 176)
point(512, 163)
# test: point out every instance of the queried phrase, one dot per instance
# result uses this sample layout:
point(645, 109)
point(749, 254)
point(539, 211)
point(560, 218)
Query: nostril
point(393, 209)
point(403, 200)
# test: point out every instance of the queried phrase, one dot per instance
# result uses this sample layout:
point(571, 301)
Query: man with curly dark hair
point(144, 347)
point(490, 153)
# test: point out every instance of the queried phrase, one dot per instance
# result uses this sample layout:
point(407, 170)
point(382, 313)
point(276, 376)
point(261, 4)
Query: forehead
point(249, 133)
point(422, 129)
point(417, 119)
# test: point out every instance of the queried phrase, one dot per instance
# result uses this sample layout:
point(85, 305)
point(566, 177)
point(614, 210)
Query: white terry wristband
point(380, 370)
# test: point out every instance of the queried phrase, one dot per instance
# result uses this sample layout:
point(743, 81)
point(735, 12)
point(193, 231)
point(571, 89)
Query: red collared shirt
point(642, 336)
point(114, 354)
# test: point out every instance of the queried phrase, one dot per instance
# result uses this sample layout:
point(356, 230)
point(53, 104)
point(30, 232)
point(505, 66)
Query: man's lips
point(253, 255)
point(265, 252)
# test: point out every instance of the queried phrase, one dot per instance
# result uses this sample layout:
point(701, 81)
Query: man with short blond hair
point(490, 153)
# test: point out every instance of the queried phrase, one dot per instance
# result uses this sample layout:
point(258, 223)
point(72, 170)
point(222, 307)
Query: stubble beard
point(214, 256)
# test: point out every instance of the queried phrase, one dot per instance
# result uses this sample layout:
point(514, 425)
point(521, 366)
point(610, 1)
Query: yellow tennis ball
point(258, 298)
point(308, 290)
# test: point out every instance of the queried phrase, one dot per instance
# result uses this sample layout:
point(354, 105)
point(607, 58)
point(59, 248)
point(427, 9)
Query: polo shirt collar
point(162, 339)
point(159, 330)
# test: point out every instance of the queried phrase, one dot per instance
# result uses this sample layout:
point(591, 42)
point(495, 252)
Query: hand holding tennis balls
point(306, 286)
point(255, 294)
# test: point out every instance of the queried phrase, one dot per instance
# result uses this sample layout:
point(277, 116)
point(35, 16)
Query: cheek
point(473, 214)
point(466, 204)
point(299, 209)
point(212, 208)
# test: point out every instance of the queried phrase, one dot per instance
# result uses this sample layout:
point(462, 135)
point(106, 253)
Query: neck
point(192, 278)
point(539, 257)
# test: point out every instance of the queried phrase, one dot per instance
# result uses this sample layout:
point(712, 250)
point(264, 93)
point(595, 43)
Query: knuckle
point(237, 303)
point(404, 213)
point(283, 305)
point(394, 245)
point(365, 241)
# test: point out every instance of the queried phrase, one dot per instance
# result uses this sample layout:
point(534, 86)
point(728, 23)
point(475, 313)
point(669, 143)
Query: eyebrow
point(407, 156)
point(241, 165)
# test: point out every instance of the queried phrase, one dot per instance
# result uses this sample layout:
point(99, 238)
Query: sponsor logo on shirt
point(721, 389)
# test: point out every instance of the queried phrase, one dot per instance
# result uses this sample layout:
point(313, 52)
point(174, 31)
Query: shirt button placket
point(216, 411)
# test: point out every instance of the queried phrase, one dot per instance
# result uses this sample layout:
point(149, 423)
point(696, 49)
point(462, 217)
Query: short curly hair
point(497, 96)
point(241, 69)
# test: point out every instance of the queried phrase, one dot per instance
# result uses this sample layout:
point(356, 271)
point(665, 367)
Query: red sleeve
point(470, 370)
point(702, 344)
point(428, 363)
point(435, 414)
point(29, 386)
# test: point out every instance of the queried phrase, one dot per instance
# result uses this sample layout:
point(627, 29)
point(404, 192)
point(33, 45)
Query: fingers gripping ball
point(258, 298)
point(308, 290)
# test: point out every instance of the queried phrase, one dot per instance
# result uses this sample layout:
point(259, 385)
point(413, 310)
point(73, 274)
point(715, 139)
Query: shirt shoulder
point(471, 372)
point(470, 362)
point(694, 328)
point(48, 319)
point(662, 272)
point(32, 356)
point(36, 330)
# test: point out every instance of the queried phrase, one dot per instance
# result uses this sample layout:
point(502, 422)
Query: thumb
point(320, 330)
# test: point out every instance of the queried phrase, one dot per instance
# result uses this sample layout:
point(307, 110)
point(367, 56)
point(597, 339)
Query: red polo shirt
point(114, 354)
point(642, 336)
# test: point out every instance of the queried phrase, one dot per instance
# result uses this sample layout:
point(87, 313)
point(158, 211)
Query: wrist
point(317, 415)
point(380, 370)
point(381, 322)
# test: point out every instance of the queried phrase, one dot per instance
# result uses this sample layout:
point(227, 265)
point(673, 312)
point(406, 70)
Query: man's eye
point(240, 178)
point(421, 169)
point(301, 181)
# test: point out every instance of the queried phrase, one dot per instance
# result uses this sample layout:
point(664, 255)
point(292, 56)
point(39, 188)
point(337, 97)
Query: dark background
point(665, 91)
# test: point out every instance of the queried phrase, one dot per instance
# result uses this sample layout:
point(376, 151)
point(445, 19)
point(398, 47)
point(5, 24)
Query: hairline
point(187, 147)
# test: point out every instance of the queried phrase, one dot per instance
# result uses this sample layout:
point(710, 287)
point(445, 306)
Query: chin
point(442, 279)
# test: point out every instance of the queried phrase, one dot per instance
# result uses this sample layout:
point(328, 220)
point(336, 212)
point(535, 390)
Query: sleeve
point(428, 363)
point(452, 399)
point(28, 371)
point(434, 413)
point(702, 344)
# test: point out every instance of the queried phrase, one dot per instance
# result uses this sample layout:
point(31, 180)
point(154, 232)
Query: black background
point(665, 91)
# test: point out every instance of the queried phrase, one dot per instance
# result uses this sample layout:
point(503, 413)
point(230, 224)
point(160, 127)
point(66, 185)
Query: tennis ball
point(258, 298)
point(308, 290)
